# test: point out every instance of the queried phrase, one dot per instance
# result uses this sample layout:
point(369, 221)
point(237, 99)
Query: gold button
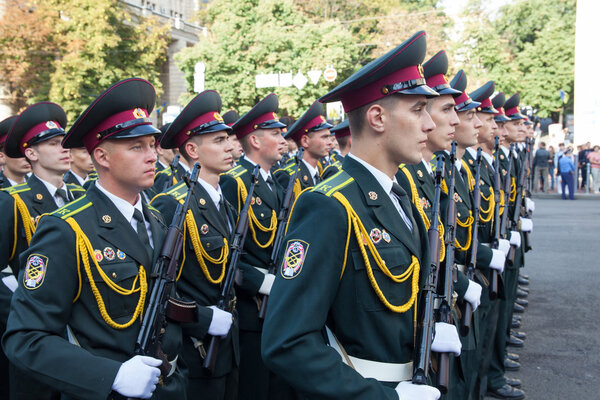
point(458, 214)
point(207, 244)
point(262, 215)
point(114, 275)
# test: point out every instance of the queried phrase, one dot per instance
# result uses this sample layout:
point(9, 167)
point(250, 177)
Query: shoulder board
point(290, 168)
point(236, 171)
point(75, 188)
point(333, 184)
point(178, 191)
point(166, 171)
point(72, 208)
point(22, 187)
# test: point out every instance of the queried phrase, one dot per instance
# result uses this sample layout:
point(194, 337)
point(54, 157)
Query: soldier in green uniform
point(259, 132)
point(165, 156)
point(310, 131)
point(341, 133)
point(497, 384)
point(86, 273)
point(230, 118)
point(200, 133)
point(14, 170)
point(81, 167)
point(340, 323)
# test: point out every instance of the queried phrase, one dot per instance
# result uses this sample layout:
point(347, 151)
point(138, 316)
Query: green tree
point(90, 44)
point(247, 38)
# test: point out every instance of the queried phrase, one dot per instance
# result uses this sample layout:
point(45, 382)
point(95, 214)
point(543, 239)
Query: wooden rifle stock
point(237, 246)
point(282, 220)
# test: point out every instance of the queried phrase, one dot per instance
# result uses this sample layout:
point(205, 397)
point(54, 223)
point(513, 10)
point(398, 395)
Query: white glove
point(137, 377)
point(267, 284)
point(409, 391)
point(498, 259)
point(515, 239)
point(446, 339)
point(529, 205)
point(504, 246)
point(473, 294)
point(220, 323)
point(526, 224)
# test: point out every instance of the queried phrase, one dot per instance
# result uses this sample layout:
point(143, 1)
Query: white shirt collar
point(385, 181)
point(504, 150)
point(79, 179)
point(185, 167)
point(457, 163)
point(12, 183)
point(489, 158)
point(313, 171)
point(214, 193)
point(473, 152)
point(427, 166)
point(165, 166)
point(263, 173)
point(51, 188)
point(123, 205)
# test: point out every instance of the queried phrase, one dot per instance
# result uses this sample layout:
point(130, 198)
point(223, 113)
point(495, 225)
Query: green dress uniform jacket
point(335, 165)
point(213, 233)
point(4, 182)
point(54, 293)
point(323, 280)
point(70, 178)
point(165, 177)
point(283, 175)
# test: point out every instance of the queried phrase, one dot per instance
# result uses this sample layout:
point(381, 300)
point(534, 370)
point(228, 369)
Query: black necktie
point(223, 212)
point(270, 182)
point(142, 232)
point(63, 195)
point(317, 178)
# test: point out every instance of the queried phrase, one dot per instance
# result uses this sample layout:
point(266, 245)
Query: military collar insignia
point(106, 219)
point(204, 229)
point(373, 195)
point(109, 253)
point(376, 235)
point(293, 259)
point(35, 271)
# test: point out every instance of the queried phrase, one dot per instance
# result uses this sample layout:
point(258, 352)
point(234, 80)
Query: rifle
point(494, 278)
point(149, 338)
point(421, 371)
point(237, 245)
point(173, 167)
point(446, 297)
point(514, 221)
point(282, 220)
point(467, 313)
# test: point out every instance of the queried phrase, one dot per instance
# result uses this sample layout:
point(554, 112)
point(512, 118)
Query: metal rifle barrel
point(237, 246)
point(493, 292)
point(421, 371)
point(282, 221)
point(445, 306)
point(467, 314)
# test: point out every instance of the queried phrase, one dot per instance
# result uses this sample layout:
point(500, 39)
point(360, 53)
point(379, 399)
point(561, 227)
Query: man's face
point(441, 110)
point(166, 155)
point(130, 162)
point(406, 128)
point(81, 160)
point(502, 133)
point(237, 151)
point(318, 143)
point(271, 144)
point(516, 131)
point(488, 129)
point(213, 151)
point(468, 130)
point(50, 155)
point(17, 166)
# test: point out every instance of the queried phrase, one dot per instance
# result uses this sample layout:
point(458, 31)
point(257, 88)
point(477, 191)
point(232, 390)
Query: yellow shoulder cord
point(501, 202)
point(253, 223)
point(491, 206)
point(417, 202)
point(470, 178)
point(362, 240)
point(297, 188)
point(201, 253)
point(84, 250)
point(320, 168)
point(444, 186)
point(467, 224)
point(513, 191)
point(21, 209)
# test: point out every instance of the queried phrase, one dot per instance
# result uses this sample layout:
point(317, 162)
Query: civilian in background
point(551, 166)
point(540, 164)
point(594, 159)
point(567, 173)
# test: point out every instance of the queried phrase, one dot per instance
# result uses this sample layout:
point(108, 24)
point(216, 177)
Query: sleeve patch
point(35, 271)
point(293, 259)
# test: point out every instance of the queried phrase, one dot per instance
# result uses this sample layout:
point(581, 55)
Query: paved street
point(561, 357)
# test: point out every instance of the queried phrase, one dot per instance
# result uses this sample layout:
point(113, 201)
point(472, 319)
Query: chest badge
point(258, 201)
point(373, 195)
point(204, 229)
point(419, 173)
point(202, 202)
point(386, 236)
point(376, 235)
point(502, 156)
point(305, 178)
point(39, 196)
point(471, 161)
point(457, 198)
point(120, 255)
point(293, 259)
point(109, 253)
point(98, 255)
point(106, 219)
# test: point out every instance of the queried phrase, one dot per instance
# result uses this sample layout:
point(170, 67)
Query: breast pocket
point(122, 274)
point(397, 259)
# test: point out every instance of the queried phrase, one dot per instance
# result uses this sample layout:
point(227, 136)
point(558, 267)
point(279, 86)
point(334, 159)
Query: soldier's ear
point(101, 155)
point(31, 154)
point(375, 117)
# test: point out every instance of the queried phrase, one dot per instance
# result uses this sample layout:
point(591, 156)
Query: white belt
point(263, 270)
point(384, 372)
point(461, 267)
point(173, 366)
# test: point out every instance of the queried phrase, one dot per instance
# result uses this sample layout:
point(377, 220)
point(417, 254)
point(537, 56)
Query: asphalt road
point(561, 357)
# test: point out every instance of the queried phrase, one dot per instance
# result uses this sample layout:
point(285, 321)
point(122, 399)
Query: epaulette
point(290, 168)
point(166, 171)
point(72, 208)
point(236, 171)
point(333, 184)
point(21, 187)
point(178, 191)
point(75, 188)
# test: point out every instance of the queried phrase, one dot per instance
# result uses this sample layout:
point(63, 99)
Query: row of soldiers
point(339, 291)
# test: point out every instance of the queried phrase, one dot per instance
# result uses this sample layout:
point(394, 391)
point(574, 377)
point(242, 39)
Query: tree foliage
point(68, 52)
point(529, 48)
point(247, 38)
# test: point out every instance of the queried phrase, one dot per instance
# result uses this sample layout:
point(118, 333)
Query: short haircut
point(344, 142)
point(356, 118)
